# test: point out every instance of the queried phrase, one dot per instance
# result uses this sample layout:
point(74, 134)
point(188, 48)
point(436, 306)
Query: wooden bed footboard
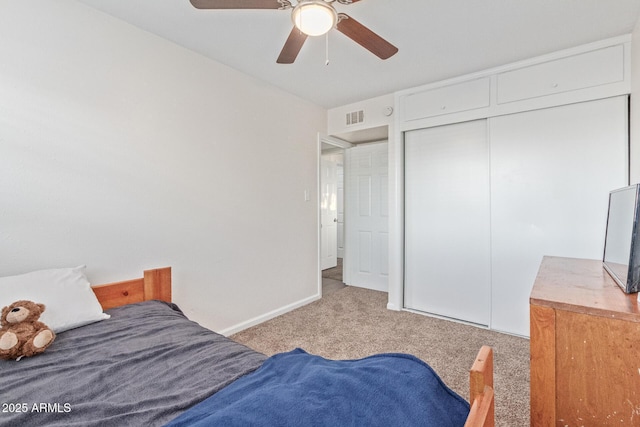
point(481, 396)
point(156, 284)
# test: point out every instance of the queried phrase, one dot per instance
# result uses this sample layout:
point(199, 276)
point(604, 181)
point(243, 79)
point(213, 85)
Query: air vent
point(355, 117)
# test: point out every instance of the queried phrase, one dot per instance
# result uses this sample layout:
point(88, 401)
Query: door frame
point(338, 143)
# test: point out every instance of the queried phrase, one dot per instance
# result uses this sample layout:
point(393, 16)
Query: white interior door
point(447, 219)
point(328, 213)
point(366, 263)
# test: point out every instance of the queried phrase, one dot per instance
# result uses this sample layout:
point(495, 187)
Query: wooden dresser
point(585, 347)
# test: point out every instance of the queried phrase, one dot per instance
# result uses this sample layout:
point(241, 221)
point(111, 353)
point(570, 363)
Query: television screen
point(621, 249)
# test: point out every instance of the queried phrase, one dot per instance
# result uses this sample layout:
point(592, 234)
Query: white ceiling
point(437, 39)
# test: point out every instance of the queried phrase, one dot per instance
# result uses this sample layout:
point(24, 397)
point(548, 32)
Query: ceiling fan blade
point(365, 37)
point(241, 4)
point(292, 47)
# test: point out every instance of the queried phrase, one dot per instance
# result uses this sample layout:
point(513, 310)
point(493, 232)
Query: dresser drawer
point(599, 67)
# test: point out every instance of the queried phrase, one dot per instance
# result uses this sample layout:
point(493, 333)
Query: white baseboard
point(267, 316)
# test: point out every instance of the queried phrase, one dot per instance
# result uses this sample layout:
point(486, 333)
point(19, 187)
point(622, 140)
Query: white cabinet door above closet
point(551, 173)
point(447, 221)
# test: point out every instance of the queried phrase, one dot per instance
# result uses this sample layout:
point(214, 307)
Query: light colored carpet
point(334, 273)
point(353, 323)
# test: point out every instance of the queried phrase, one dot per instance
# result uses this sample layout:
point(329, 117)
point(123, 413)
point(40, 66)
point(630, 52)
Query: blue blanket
point(300, 389)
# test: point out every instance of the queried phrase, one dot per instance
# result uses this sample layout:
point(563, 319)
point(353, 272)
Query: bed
point(150, 365)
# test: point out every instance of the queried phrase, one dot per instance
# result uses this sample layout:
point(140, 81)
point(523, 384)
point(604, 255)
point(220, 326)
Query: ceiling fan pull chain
point(326, 49)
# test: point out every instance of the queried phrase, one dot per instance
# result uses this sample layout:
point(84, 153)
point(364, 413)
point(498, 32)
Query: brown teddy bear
point(21, 334)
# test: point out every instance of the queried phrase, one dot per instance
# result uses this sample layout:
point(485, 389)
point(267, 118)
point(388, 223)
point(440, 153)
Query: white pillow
point(66, 293)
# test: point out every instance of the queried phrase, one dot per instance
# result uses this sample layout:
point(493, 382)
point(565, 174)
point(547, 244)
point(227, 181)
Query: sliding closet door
point(551, 173)
point(447, 236)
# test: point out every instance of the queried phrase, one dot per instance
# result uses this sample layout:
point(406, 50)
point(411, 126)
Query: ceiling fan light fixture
point(314, 17)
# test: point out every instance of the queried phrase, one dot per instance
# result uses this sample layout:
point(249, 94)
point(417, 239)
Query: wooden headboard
point(155, 284)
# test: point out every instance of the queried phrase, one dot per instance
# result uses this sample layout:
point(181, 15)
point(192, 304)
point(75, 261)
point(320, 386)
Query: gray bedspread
point(142, 367)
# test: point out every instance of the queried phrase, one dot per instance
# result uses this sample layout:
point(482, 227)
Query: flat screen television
point(621, 257)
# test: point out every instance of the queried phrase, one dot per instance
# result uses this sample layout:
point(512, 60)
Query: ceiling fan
point(310, 18)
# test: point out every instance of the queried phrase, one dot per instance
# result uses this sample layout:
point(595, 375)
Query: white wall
point(122, 151)
point(374, 114)
point(634, 118)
